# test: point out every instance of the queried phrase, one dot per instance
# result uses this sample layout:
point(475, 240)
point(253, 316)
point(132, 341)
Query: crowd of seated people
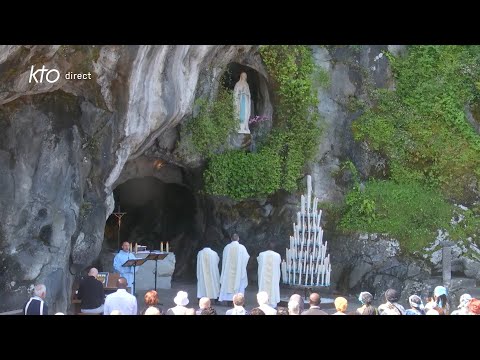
point(121, 302)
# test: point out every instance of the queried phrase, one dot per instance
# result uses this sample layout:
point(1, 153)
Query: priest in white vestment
point(233, 278)
point(208, 274)
point(269, 275)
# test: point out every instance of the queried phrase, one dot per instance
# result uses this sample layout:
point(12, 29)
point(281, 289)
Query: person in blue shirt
point(122, 256)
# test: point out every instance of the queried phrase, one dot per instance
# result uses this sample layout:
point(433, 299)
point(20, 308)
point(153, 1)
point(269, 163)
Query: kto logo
point(51, 76)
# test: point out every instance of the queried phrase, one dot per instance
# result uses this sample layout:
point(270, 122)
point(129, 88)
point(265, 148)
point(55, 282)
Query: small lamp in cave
point(158, 164)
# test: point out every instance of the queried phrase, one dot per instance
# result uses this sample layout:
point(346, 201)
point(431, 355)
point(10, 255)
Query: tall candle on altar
point(167, 246)
point(161, 246)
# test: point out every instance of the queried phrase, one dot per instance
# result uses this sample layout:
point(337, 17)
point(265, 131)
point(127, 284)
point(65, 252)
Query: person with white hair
point(36, 304)
point(208, 274)
point(181, 301)
point(233, 278)
point(120, 300)
point(294, 307)
point(203, 303)
point(91, 293)
point(262, 299)
point(463, 306)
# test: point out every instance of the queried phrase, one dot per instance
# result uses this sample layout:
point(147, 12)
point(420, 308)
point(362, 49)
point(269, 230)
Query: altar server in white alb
point(233, 278)
point(269, 275)
point(208, 275)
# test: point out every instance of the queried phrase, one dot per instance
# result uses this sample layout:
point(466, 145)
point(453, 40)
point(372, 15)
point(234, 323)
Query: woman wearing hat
point(440, 298)
point(416, 306)
point(463, 306)
point(181, 300)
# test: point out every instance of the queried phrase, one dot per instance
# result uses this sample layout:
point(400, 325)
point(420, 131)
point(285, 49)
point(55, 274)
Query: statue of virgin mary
point(242, 102)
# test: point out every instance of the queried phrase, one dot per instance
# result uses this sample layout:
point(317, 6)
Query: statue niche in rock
point(242, 102)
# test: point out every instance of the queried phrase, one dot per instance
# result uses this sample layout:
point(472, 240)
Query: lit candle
point(161, 246)
point(167, 246)
point(130, 247)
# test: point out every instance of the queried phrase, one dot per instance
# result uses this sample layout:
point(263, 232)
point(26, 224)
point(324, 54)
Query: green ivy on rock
point(432, 150)
point(279, 162)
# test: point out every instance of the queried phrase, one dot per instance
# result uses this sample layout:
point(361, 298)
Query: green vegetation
point(433, 152)
point(410, 213)
point(242, 175)
point(213, 124)
point(321, 78)
point(279, 162)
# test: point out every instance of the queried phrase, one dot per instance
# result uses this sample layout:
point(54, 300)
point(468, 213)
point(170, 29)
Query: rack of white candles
point(306, 261)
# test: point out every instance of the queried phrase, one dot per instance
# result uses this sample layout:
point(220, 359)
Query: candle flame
point(158, 164)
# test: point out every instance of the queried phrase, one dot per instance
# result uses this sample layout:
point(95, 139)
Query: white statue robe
point(208, 275)
point(269, 275)
point(126, 272)
point(242, 102)
point(233, 278)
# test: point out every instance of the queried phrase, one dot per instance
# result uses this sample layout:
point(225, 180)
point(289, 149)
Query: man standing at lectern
point(122, 256)
point(233, 278)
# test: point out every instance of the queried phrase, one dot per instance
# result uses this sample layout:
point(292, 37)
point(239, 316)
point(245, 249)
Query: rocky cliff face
point(68, 144)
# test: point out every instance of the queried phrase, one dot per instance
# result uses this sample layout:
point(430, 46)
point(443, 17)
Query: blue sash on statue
point(243, 104)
